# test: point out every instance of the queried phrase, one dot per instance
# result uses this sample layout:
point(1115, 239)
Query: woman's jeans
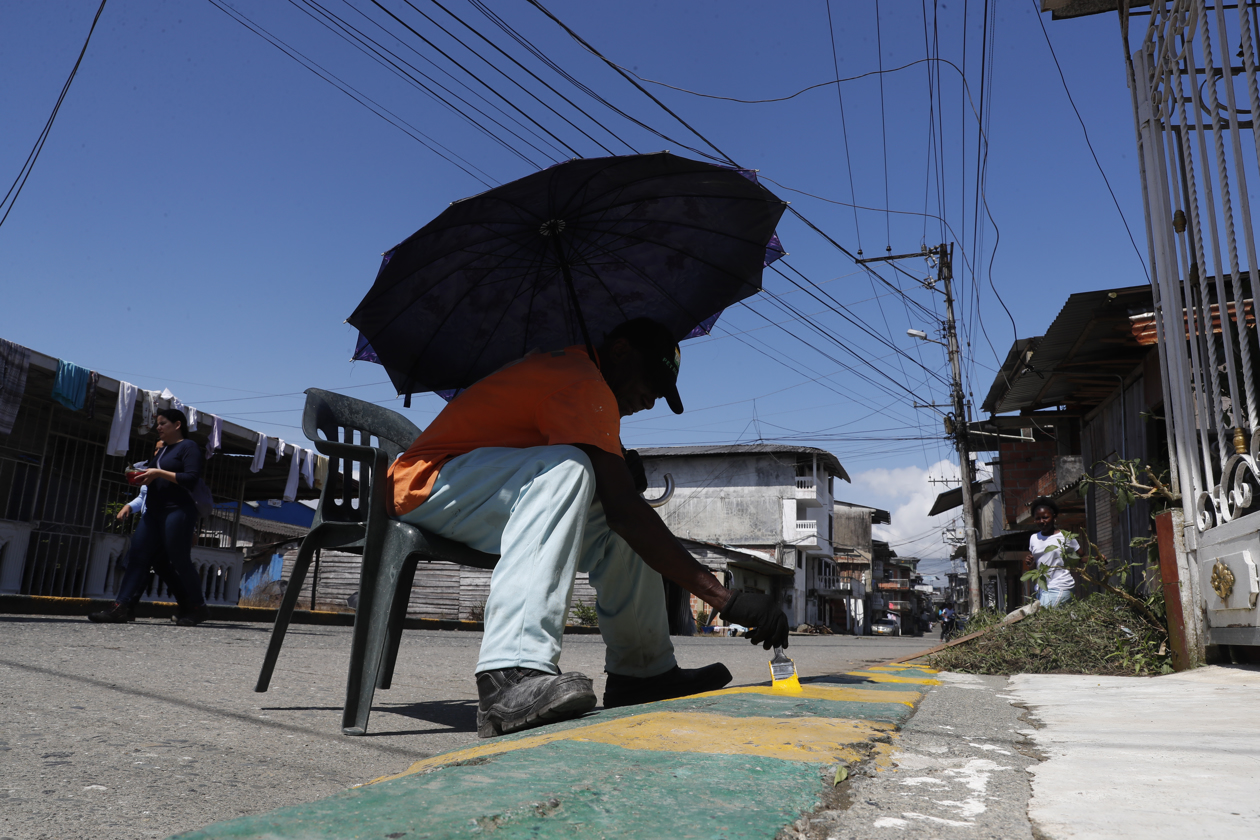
point(163, 541)
point(1054, 597)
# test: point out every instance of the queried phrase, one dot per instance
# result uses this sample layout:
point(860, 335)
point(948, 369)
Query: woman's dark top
point(186, 461)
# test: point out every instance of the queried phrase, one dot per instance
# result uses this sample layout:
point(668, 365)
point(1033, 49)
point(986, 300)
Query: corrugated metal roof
point(1066, 9)
point(265, 526)
point(878, 517)
point(829, 460)
point(1072, 363)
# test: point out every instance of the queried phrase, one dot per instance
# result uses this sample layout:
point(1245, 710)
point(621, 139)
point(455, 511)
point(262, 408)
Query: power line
point(382, 112)
point(15, 189)
point(1085, 132)
point(844, 128)
point(379, 52)
point(627, 76)
point(883, 126)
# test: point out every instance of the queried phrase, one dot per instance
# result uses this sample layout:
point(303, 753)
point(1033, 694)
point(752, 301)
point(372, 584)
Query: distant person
point(1045, 549)
point(163, 538)
point(947, 621)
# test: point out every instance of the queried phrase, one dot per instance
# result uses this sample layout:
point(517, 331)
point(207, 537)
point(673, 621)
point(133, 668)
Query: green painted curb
point(577, 790)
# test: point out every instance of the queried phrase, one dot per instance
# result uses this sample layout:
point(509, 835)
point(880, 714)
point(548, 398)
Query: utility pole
point(956, 424)
point(945, 275)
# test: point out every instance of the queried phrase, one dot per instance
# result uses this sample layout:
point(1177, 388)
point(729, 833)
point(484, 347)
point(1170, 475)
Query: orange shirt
point(545, 399)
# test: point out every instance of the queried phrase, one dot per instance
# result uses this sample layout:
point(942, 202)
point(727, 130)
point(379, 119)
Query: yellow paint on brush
point(817, 691)
point(817, 740)
point(792, 685)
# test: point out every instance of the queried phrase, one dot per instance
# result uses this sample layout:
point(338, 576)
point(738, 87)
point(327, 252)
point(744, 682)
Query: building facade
point(760, 515)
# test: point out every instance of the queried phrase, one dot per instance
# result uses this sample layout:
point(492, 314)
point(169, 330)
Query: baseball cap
point(661, 356)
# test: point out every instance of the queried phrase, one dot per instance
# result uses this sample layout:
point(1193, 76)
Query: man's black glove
point(637, 474)
point(767, 624)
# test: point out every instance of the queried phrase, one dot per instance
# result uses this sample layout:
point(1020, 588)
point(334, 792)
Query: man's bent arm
point(634, 520)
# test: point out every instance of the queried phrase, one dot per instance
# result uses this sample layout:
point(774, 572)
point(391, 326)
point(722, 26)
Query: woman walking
point(163, 538)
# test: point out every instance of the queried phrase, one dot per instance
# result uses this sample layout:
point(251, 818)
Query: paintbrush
point(783, 672)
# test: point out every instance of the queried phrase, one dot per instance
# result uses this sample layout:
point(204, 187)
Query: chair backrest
point(332, 422)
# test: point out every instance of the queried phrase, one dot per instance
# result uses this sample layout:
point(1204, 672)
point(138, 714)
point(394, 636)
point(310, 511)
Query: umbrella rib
point(437, 328)
point(702, 169)
point(665, 293)
point(658, 243)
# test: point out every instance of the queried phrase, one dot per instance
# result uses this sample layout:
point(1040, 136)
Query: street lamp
point(922, 336)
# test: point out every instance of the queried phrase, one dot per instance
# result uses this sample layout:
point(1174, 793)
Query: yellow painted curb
point(819, 692)
point(903, 668)
point(876, 677)
point(817, 740)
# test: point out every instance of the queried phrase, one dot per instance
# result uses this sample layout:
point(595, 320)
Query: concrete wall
point(1022, 463)
point(853, 528)
point(732, 499)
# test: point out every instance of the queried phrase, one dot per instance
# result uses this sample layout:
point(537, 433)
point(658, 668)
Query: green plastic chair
point(355, 517)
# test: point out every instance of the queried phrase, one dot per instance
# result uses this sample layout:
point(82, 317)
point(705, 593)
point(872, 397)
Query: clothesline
point(75, 387)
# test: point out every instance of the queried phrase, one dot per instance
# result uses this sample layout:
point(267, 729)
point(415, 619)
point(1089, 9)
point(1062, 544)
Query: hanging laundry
point(321, 471)
point(148, 410)
point(192, 418)
point(70, 386)
point(215, 443)
point(260, 454)
point(94, 381)
point(295, 469)
point(308, 467)
point(120, 426)
point(15, 360)
point(280, 444)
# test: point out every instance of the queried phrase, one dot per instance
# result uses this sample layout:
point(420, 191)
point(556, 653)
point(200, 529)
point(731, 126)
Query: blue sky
point(206, 211)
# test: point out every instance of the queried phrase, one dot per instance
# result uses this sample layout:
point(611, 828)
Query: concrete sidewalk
point(1174, 757)
point(737, 763)
point(1065, 757)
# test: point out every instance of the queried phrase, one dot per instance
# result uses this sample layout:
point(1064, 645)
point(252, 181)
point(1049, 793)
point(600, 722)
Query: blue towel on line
point(70, 386)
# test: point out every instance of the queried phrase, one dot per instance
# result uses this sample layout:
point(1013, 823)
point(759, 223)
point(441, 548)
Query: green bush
point(1099, 634)
point(584, 614)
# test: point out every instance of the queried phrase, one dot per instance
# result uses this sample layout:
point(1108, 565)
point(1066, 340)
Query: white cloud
point(908, 494)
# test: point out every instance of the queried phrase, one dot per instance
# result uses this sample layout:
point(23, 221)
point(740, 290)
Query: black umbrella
point(562, 256)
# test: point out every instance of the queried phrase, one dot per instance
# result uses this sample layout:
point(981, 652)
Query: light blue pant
point(1054, 597)
point(537, 509)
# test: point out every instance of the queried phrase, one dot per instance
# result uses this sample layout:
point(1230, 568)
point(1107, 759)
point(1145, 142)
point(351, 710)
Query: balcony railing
point(808, 491)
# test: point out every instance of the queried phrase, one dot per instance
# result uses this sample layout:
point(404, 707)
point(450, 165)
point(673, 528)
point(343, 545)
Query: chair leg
point(377, 583)
point(287, 604)
point(397, 616)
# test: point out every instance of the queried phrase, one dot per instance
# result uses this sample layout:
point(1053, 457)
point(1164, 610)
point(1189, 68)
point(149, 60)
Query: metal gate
point(1195, 94)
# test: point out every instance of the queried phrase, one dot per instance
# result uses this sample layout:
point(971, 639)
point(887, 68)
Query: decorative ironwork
point(1222, 580)
point(1197, 157)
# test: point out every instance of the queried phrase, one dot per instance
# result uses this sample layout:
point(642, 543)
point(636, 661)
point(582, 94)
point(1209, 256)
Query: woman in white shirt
point(1045, 548)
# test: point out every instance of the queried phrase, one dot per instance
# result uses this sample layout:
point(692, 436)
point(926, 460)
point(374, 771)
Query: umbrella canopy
point(574, 250)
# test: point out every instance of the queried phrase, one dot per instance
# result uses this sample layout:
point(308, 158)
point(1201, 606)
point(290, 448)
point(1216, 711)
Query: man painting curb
point(527, 463)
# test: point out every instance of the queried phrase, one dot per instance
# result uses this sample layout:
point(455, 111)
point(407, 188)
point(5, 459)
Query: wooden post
point(1165, 534)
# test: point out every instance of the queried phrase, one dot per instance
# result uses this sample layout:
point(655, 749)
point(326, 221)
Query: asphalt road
point(114, 732)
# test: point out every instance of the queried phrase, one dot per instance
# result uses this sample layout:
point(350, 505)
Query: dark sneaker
point(513, 699)
point(116, 614)
point(192, 619)
point(679, 682)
